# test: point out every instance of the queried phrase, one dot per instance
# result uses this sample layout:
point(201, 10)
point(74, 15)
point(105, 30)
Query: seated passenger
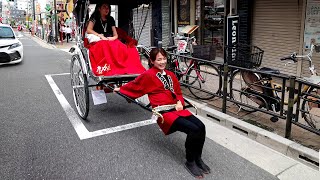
point(109, 56)
point(101, 23)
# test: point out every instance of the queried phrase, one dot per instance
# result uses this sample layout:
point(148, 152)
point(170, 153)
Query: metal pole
point(290, 107)
point(225, 84)
point(34, 16)
point(28, 15)
point(55, 21)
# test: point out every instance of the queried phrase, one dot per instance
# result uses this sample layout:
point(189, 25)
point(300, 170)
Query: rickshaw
point(81, 70)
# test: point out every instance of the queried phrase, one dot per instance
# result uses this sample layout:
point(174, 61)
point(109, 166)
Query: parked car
point(11, 49)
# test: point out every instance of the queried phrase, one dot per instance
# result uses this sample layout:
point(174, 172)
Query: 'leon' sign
point(232, 38)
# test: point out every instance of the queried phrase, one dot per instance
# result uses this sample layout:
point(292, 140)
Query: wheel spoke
point(80, 89)
point(204, 81)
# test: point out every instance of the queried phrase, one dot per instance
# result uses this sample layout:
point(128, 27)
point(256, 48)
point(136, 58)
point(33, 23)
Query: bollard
point(225, 86)
point(290, 107)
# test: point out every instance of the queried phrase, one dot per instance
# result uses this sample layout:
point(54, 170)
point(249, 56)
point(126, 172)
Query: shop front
point(286, 26)
point(208, 15)
point(278, 27)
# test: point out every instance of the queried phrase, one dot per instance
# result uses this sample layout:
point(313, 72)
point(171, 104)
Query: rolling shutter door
point(139, 17)
point(165, 22)
point(276, 29)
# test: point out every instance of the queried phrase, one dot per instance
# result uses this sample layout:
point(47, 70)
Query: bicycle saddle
point(269, 70)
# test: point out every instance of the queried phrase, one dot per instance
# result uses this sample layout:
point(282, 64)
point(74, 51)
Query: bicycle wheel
point(238, 92)
point(204, 81)
point(309, 109)
point(79, 84)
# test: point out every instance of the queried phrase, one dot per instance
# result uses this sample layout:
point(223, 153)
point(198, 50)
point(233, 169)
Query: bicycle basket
point(244, 55)
point(206, 52)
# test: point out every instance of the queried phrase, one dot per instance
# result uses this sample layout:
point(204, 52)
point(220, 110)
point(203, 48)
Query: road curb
point(39, 40)
point(278, 143)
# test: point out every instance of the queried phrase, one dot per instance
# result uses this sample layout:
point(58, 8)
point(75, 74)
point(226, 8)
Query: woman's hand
point(111, 38)
point(102, 37)
point(179, 106)
point(116, 89)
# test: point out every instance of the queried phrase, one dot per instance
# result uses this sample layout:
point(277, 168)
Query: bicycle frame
point(269, 85)
point(192, 65)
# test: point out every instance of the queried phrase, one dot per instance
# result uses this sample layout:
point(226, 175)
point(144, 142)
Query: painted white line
point(62, 74)
point(121, 128)
point(72, 115)
point(76, 122)
point(66, 50)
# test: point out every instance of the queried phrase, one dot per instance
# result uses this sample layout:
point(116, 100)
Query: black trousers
point(68, 37)
point(196, 134)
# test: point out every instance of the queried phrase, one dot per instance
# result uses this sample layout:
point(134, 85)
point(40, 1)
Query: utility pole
point(55, 21)
point(34, 16)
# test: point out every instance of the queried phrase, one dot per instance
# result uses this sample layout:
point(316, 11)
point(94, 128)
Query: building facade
point(285, 26)
point(278, 27)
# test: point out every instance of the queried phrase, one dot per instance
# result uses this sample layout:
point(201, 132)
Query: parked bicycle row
point(255, 88)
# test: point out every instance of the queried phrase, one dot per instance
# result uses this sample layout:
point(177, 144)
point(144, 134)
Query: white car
point(11, 49)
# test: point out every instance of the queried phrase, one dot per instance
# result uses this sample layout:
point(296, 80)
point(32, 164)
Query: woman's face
point(104, 10)
point(160, 62)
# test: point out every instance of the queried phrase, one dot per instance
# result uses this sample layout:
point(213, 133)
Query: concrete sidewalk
point(296, 151)
point(277, 164)
point(64, 46)
point(281, 157)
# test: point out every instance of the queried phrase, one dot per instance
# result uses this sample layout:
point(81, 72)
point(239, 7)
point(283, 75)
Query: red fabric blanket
point(110, 58)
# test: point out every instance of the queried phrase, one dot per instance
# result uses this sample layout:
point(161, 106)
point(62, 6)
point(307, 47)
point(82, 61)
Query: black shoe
point(205, 168)
point(193, 169)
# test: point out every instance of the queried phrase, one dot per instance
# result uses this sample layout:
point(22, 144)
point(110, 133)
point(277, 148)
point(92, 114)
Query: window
point(6, 32)
point(213, 24)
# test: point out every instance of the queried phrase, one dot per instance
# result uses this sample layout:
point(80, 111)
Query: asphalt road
point(39, 141)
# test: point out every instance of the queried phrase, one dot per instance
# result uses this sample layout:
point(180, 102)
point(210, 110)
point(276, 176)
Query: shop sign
point(183, 9)
point(232, 37)
point(312, 23)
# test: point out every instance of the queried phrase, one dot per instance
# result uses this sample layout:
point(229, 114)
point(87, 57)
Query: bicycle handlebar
point(292, 57)
point(308, 56)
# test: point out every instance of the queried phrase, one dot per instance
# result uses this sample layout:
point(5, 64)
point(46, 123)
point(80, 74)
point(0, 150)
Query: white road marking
point(76, 122)
point(62, 74)
point(72, 115)
point(66, 50)
point(122, 128)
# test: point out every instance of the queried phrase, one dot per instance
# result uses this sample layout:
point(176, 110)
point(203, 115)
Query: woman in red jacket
point(163, 88)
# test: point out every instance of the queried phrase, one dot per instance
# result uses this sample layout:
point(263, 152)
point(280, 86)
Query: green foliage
point(48, 7)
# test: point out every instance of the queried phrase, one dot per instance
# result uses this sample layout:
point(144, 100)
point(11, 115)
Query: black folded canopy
point(79, 5)
point(129, 3)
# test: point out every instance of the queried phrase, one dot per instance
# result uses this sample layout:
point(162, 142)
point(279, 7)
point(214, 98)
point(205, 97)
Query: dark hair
point(96, 13)
point(153, 55)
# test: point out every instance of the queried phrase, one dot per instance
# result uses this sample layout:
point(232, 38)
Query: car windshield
point(6, 32)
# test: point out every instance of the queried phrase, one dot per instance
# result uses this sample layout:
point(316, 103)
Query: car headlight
point(15, 45)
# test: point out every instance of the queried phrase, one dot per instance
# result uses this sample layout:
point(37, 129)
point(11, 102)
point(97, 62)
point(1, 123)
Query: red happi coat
point(149, 83)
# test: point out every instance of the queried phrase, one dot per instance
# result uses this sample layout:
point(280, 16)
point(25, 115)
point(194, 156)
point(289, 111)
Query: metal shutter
point(165, 22)
point(276, 29)
point(138, 20)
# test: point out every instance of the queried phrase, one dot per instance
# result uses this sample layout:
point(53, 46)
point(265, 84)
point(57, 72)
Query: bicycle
point(261, 90)
point(197, 76)
point(50, 38)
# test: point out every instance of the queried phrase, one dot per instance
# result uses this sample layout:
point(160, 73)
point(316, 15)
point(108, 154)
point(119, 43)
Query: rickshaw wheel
point(79, 84)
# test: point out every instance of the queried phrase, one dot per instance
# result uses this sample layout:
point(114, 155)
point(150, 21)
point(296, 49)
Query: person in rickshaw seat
point(108, 55)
